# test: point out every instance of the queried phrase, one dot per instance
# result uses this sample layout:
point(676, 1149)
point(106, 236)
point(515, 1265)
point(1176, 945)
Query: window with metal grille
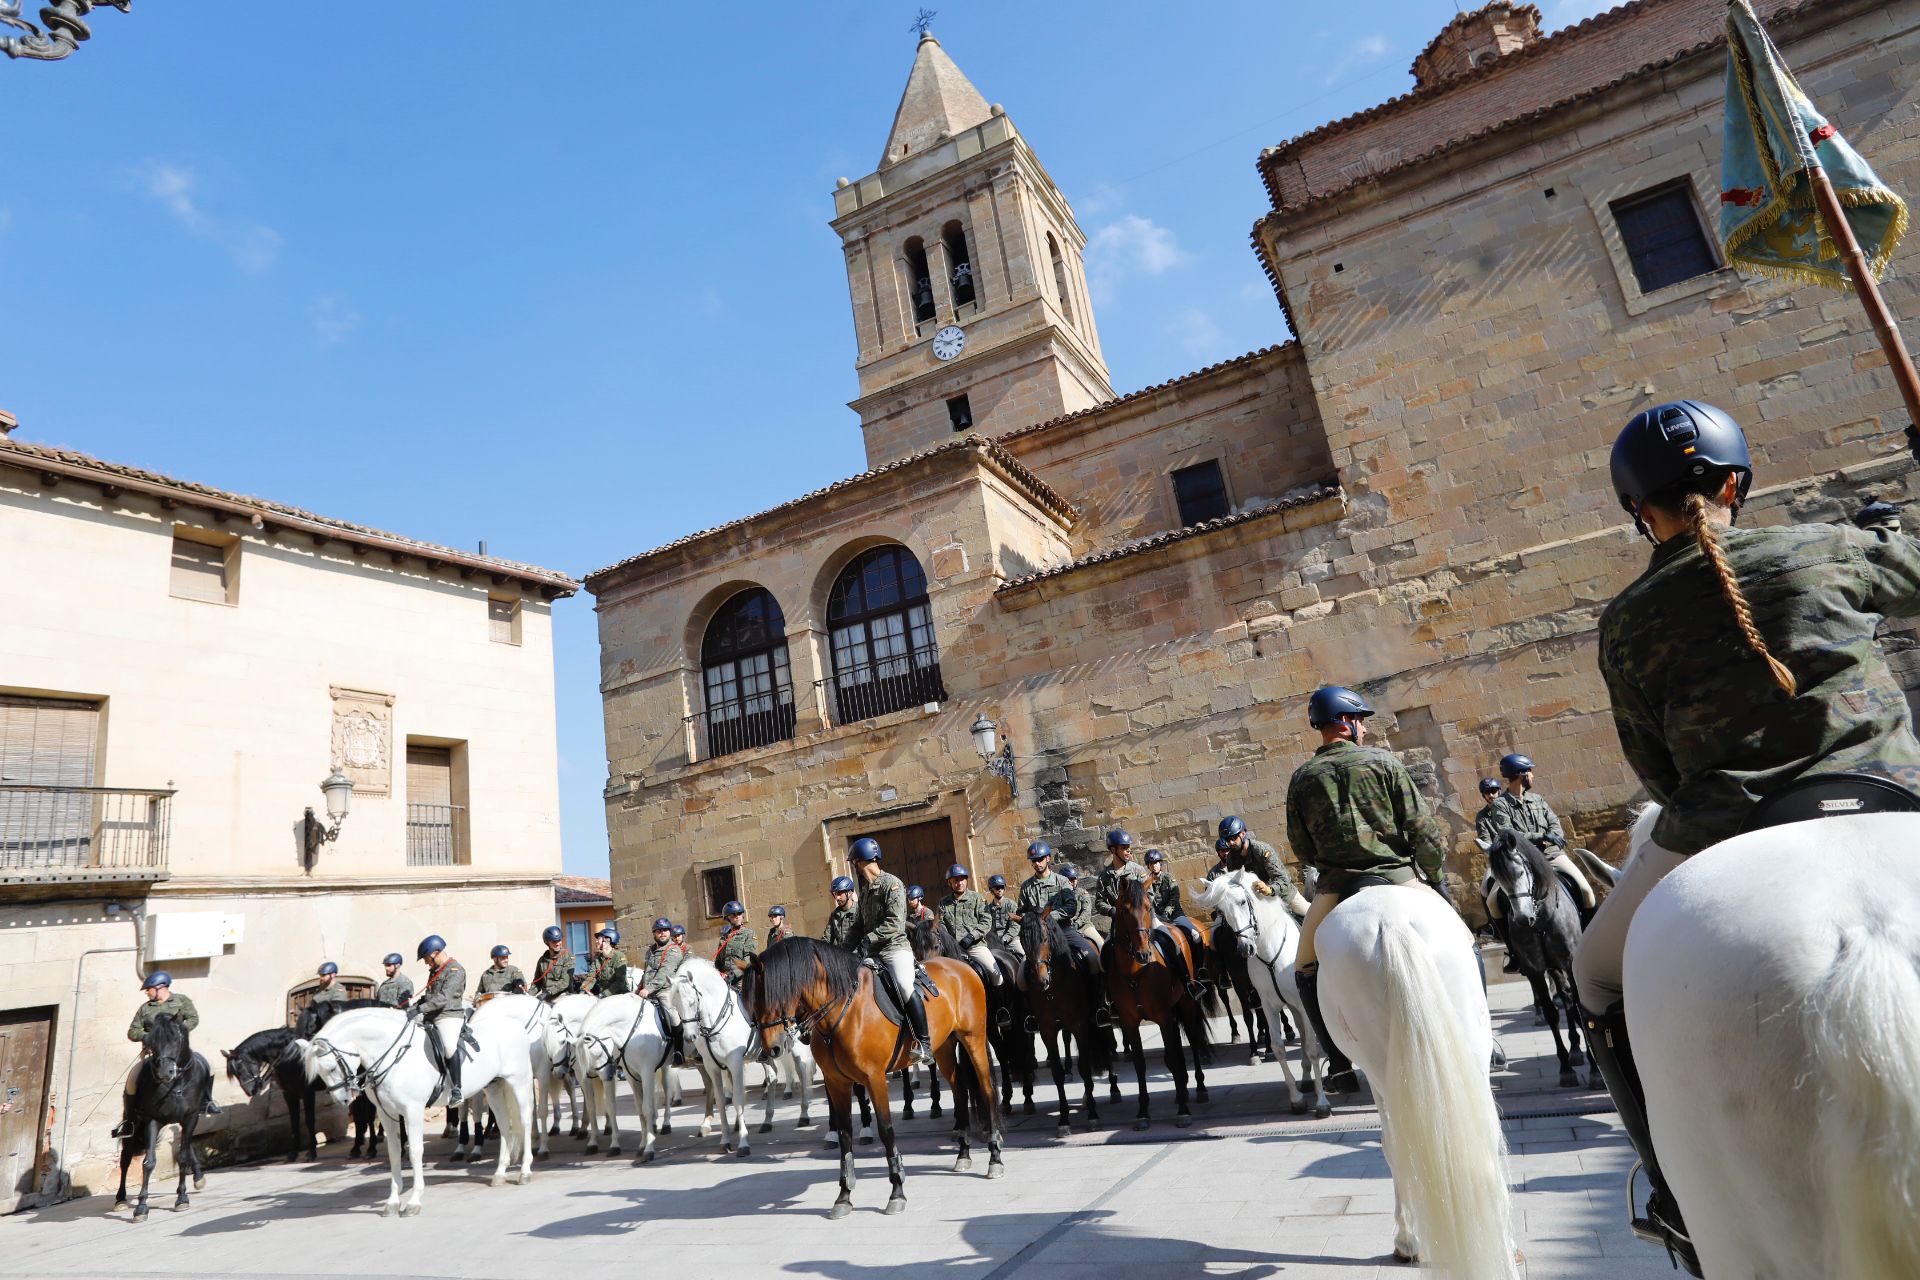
point(718, 886)
point(49, 811)
point(436, 826)
point(884, 655)
point(1200, 491)
point(745, 674)
point(200, 571)
point(1663, 237)
point(503, 621)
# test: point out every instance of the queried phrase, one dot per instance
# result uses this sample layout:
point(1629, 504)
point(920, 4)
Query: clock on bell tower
point(964, 266)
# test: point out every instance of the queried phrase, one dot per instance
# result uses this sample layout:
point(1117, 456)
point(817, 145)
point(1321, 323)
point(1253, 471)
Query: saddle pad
point(1169, 950)
point(883, 990)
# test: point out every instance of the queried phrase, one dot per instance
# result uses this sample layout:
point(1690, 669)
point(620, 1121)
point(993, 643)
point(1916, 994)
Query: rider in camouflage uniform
point(840, 924)
point(501, 975)
point(1163, 891)
point(398, 987)
point(553, 971)
point(1352, 811)
point(1487, 826)
point(777, 928)
point(1000, 912)
point(1120, 867)
point(1740, 662)
point(607, 974)
point(1535, 819)
point(964, 912)
point(1244, 853)
point(738, 944)
point(1082, 908)
point(440, 1005)
point(161, 998)
point(1047, 892)
point(880, 932)
point(329, 991)
point(661, 961)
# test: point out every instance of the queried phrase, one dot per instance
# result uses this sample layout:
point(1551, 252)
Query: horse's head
point(1520, 869)
point(1132, 912)
point(792, 982)
point(1232, 896)
point(247, 1070)
point(167, 1048)
point(329, 1066)
point(1037, 940)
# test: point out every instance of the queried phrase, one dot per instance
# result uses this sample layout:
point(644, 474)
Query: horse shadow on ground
point(799, 1192)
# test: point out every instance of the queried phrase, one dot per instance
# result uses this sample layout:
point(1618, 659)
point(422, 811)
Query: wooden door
point(919, 854)
point(26, 1038)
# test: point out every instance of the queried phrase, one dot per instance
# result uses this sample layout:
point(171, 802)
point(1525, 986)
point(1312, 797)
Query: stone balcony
point(81, 841)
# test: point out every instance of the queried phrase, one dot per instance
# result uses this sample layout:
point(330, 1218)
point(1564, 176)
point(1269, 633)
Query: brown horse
point(1145, 988)
point(826, 995)
point(1063, 998)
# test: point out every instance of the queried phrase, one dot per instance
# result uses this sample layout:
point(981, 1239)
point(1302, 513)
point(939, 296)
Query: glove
point(1260, 887)
point(1878, 515)
point(1558, 842)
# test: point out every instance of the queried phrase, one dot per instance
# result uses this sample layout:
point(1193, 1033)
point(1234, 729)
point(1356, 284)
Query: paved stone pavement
point(1247, 1191)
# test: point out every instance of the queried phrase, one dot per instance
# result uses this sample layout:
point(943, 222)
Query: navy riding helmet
point(777, 911)
point(1675, 442)
point(500, 952)
point(679, 932)
point(552, 933)
point(611, 934)
point(158, 978)
point(1334, 702)
point(915, 893)
point(1489, 786)
point(662, 923)
point(428, 945)
point(842, 884)
point(1154, 856)
point(1231, 827)
point(1071, 872)
point(1512, 766)
point(327, 967)
point(394, 957)
point(996, 882)
point(733, 908)
point(865, 849)
point(957, 872)
point(1039, 849)
point(1118, 839)
point(1223, 845)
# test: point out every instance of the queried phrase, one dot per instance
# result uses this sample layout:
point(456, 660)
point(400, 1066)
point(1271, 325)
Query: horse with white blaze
point(716, 1028)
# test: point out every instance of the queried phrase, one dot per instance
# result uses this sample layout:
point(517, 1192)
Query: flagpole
point(1835, 217)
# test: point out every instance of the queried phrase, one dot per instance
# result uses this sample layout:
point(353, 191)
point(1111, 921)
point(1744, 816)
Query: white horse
point(382, 1052)
point(1806, 1160)
point(622, 1031)
point(1400, 988)
point(715, 1026)
point(546, 1044)
point(569, 1015)
point(794, 1068)
point(1270, 940)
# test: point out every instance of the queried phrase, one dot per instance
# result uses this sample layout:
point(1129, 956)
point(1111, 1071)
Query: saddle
point(889, 1000)
point(436, 1053)
point(1833, 795)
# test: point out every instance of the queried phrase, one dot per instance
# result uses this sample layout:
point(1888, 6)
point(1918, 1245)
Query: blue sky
point(562, 280)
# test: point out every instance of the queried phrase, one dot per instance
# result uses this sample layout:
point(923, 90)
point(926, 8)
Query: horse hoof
point(804, 1123)
point(526, 1176)
point(668, 1128)
point(1029, 1106)
point(1568, 1080)
point(388, 1209)
point(788, 1095)
point(909, 1114)
point(995, 1169)
point(962, 1165)
point(1322, 1110)
point(866, 1139)
point(593, 1148)
point(199, 1184)
point(743, 1151)
point(293, 1157)
point(180, 1204)
point(1298, 1106)
point(841, 1209)
point(1142, 1124)
point(140, 1214)
point(497, 1180)
point(896, 1205)
point(1200, 1094)
point(766, 1126)
point(1064, 1130)
point(1401, 1255)
point(409, 1210)
point(645, 1157)
point(1577, 1058)
point(1182, 1120)
point(936, 1113)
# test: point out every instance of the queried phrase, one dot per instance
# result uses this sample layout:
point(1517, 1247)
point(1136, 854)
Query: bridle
point(606, 1045)
point(707, 1031)
point(363, 1078)
point(1253, 926)
point(805, 1026)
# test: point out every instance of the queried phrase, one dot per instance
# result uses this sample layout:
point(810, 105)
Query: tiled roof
point(1319, 492)
point(1020, 433)
point(52, 461)
point(581, 890)
point(989, 450)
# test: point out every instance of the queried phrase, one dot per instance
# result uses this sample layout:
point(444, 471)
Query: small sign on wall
point(191, 935)
point(363, 739)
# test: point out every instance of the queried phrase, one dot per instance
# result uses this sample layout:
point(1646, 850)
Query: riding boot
point(1662, 1225)
point(917, 1019)
point(211, 1109)
point(1340, 1074)
point(125, 1128)
point(455, 1098)
point(677, 1045)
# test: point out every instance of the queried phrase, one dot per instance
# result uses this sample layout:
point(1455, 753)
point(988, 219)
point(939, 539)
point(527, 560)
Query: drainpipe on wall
point(138, 917)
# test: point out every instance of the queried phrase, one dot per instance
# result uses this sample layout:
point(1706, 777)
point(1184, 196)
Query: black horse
point(265, 1059)
point(174, 1087)
point(1007, 1032)
point(1543, 930)
point(1230, 977)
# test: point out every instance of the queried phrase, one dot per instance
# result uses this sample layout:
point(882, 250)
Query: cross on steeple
point(923, 21)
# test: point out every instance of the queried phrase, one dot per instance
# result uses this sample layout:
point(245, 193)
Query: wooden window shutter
point(48, 741)
point(500, 620)
point(199, 571)
point(429, 775)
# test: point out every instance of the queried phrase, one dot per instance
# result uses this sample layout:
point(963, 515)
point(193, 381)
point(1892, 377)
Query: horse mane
point(264, 1047)
point(316, 1016)
point(780, 975)
point(166, 1025)
point(1036, 927)
point(931, 937)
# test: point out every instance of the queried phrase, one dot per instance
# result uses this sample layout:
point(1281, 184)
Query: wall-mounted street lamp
point(338, 789)
point(999, 764)
point(65, 22)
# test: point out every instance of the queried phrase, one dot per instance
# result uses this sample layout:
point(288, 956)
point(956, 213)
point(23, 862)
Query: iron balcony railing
point(433, 834)
point(45, 828)
point(738, 726)
point(861, 692)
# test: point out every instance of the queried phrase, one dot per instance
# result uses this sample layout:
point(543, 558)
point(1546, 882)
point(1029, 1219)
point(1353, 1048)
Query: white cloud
point(1368, 48)
point(252, 247)
point(1131, 245)
point(333, 320)
point(1100, 199)
point(1195, 331)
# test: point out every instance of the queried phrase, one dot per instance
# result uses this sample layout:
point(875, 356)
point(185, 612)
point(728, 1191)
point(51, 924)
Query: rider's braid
point(1695, 508)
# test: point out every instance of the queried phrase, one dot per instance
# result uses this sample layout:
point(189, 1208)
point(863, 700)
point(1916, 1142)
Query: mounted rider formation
point(1550, 580)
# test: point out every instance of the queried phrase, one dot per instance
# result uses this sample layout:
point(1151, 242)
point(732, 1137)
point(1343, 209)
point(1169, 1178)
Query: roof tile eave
point(27, 456)
point(1032, 429)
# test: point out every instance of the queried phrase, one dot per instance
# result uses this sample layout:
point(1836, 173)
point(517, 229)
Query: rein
point(367, 1079)
point(1253, 922)
point(606, 1043)
point(699, 1019)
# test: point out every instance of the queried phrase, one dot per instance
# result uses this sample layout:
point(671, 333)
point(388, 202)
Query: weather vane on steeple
point(923, 22)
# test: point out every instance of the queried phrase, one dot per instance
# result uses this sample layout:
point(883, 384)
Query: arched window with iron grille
point(884, 655)
point(744, 672)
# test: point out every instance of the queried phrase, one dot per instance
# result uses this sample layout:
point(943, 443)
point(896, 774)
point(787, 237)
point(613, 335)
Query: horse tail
point(1442, 1132)
point(1862, 1025)
point(1596, 867)
point(967, 1080)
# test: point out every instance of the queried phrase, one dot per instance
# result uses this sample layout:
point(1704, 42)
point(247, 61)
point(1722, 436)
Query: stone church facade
point(1486, 277)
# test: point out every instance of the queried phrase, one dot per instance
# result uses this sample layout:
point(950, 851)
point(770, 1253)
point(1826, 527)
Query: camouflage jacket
point(500, 979)
point(660, 963)
point(880, 915)
point(1353, 808)
point(1264, 861)
point(1106, 892)
point(840, 927)
point(1000, 917)
point(1487, 824)
point(966, 917)
point(395, 991)
point(1083, 909)
point(1050, 890)
point(1531, 816)
point(736, 949)
point(1699, 717)
point(552, 974)
point(178, 1005)
point(607, 975)
point(332, 993)
point(446, 989)
point(1164, 894)
point(778, 933)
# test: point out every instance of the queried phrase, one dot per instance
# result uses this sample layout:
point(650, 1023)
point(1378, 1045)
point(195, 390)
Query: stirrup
point(1656, 1230)
point(1346, 1081)
point(122, 1130)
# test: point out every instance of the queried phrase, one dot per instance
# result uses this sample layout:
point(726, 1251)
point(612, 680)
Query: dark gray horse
point(173, 1087)
point(1543, 927)
point(264, 1059)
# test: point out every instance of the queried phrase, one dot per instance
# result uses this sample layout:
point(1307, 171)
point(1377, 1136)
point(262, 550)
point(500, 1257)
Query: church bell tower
point(965, 267)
